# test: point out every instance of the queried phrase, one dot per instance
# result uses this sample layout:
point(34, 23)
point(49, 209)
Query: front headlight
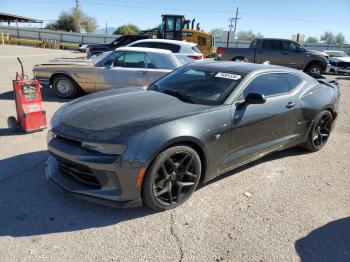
point(50, 136)
point(110, 149)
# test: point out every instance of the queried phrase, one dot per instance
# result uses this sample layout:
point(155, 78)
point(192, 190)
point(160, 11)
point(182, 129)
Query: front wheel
point(320, 131)
point(172, 178)
point(314, 70)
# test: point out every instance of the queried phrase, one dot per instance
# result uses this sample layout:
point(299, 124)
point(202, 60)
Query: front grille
point(77, 172)
point(68, 140)
point(344, 64)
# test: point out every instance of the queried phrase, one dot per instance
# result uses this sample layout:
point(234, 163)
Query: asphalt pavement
point(289, 206)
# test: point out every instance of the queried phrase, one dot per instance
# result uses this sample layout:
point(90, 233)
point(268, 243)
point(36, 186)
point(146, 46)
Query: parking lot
point(289, 206)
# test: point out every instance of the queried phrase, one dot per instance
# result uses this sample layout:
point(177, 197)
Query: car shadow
point(330, 242)
point(295, 151)
point(30, 206)
point(9, 132)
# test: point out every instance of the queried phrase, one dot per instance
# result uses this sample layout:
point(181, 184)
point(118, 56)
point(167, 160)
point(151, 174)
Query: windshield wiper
point(179, 95)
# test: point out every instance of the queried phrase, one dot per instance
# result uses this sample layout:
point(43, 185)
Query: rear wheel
point(172, 178)
point(64, 87)
point(320, 131)
point(12, 123)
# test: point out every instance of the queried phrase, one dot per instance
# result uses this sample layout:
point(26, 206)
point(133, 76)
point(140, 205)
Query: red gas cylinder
point(30, 112)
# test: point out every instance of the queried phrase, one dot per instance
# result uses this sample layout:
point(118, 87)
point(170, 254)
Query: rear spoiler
point(326, 81)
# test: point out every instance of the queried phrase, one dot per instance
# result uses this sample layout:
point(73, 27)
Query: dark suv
point(97, 49)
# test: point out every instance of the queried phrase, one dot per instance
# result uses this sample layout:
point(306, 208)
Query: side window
point(131, 60)
point(253, 44)
point(272, 84)
point(171, 47)
point(272, 44)
point(148, 61)
point(293, 80)
point(289, 45)
point(202, 41)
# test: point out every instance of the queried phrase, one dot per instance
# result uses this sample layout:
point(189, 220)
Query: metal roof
point(19, 19)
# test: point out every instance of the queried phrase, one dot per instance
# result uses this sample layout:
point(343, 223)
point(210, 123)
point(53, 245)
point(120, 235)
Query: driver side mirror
point(253, 98)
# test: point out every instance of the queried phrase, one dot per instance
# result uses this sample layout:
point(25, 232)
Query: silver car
point(123, 67)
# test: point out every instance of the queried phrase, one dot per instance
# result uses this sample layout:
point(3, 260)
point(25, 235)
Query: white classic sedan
point(123, 67)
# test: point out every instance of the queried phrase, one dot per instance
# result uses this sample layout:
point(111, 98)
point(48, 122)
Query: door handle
point(141, 72)
point(291, 105)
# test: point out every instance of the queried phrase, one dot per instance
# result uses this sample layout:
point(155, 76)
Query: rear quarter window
point(196, 49)
point(171, 47)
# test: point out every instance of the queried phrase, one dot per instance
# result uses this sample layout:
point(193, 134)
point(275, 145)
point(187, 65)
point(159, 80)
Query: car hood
point(68, 62)
point(318, 53)
point(119, 111)
point(340, 59)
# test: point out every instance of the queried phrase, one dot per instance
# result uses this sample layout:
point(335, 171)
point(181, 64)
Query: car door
point(269, 50)
point(261, 128)
point(292, 55)
point(128, 70)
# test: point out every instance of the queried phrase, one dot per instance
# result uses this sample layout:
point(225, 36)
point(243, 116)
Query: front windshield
point(200, 86)
point(336, 54)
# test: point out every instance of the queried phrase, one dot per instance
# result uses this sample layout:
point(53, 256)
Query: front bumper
point(97, 178)
point(339, 70)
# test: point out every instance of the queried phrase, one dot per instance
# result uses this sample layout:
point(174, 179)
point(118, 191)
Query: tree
point(328, 37)
point(248, 35)
point(311, 39)
point(74, 21)
point(339, 39)
point(217, 32)
point(127, 29)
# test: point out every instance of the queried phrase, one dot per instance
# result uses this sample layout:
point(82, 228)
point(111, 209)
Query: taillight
point(196, 57)
point(220, 50)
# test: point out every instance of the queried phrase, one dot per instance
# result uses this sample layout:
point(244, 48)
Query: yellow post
point(2, 39)
point(8, 38)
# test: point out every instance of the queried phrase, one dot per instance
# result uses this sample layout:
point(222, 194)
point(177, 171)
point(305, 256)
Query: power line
point(234, 27)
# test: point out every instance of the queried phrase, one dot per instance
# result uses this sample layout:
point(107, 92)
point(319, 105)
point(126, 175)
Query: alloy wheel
point(322, 130)
point(175, 179)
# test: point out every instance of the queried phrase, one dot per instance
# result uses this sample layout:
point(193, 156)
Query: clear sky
point(272, 18)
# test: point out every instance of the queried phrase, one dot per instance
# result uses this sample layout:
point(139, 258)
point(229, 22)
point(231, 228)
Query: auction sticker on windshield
point(228, 76)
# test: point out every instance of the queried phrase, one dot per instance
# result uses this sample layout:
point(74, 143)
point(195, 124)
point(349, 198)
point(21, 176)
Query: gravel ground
point(297, 206)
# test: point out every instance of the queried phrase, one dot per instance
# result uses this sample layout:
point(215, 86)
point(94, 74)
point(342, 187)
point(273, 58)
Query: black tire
point(320, 131)
point(64, 87)
point(314, 69)
point(12, 123)
point(179, 166)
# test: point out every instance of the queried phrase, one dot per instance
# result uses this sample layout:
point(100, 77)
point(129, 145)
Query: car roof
point(240, 67)
point(144, 49)
point(168, 41)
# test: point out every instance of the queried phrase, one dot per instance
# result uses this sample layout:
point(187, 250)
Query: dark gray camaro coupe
point(131, 146)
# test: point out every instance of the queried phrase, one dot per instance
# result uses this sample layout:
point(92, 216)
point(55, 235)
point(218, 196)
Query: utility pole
point(234, 27)
point(106, 29)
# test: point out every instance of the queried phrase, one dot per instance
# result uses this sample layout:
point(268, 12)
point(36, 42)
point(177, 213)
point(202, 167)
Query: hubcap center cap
point(173, 177)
